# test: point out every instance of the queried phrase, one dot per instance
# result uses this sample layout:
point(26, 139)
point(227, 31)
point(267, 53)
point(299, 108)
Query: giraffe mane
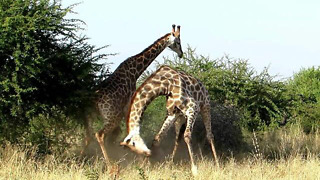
point(146, 49)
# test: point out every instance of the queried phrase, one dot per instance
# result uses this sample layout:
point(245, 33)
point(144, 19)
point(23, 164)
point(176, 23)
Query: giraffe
point(113, 95)
point(186, 97)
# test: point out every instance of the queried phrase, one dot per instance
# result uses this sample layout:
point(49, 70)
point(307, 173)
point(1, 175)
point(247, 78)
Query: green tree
point(44, 65)
point(305, 94)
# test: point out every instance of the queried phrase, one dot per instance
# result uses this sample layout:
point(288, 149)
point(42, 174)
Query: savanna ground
point(281, 154)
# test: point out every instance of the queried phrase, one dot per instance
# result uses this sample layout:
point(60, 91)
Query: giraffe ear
point(124, 143)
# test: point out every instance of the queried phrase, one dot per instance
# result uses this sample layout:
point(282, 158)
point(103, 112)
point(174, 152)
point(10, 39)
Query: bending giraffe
point(185, 95)
point(115, 92)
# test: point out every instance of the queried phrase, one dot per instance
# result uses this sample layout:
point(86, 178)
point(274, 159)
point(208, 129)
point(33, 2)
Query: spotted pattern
point(186, 98)
point(115, 92)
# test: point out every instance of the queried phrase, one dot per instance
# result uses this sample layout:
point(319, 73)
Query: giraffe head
point(174, 41)
point(136, 144)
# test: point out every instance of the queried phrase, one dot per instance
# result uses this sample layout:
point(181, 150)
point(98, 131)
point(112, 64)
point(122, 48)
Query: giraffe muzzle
point(147, 153)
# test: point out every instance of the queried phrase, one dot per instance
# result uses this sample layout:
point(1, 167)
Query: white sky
point(282, 34)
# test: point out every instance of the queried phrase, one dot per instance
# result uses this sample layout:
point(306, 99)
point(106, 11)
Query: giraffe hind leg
point(87, 141)
point(88, 133)
point(179, 129)
point(206, 116)
point(100, 135)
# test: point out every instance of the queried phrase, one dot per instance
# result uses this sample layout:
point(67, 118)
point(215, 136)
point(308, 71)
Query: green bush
point(304, 90)
point(53, 132)
point(226, 130)
point(44, 64)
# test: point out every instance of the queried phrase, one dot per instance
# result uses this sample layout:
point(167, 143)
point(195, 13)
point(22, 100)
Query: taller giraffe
point(115, 92)
point(186, 96)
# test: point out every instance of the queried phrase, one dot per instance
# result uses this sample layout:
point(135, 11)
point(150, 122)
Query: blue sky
point(281, 34)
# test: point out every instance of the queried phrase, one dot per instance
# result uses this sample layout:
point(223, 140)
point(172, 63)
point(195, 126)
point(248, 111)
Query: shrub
point(44, 65)
point(304, 90)
point(53, 132)
point(226, 130)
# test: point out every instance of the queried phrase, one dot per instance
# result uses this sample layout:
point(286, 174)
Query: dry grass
point(15, 165)
point(294, 159)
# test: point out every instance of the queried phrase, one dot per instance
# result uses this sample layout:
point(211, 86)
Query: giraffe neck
point(144, 95)
point(134, 66)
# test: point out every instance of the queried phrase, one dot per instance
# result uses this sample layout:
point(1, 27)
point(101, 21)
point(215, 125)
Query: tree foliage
point(44, 64)
point(233, 82)
point(242, 99)
point(304, 90)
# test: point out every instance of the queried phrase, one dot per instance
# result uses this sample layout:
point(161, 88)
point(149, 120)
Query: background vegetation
point(244, 100)
point(49, 75)
point(48, 72)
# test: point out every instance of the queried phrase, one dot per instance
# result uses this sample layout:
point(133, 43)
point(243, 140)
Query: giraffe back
point(193, 87)
point(176, 85)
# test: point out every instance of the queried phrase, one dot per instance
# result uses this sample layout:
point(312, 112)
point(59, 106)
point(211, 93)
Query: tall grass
point(286, 154)
point(289, 142)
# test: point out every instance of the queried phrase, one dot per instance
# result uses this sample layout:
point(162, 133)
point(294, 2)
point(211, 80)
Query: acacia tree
point(44, 64)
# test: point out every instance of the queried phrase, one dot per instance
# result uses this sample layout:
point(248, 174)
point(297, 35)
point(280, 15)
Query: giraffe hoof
point(194, 170)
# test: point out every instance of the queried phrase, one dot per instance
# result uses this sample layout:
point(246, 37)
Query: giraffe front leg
point(164, 129)
point(101, 136)
point(187, 139)
point(190, 114)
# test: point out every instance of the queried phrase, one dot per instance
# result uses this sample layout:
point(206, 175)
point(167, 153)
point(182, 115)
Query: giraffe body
point(115, 92)
point(186, 97)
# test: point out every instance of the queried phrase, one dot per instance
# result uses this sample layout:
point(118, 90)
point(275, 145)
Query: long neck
point(144, 95)
point(136, 65)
